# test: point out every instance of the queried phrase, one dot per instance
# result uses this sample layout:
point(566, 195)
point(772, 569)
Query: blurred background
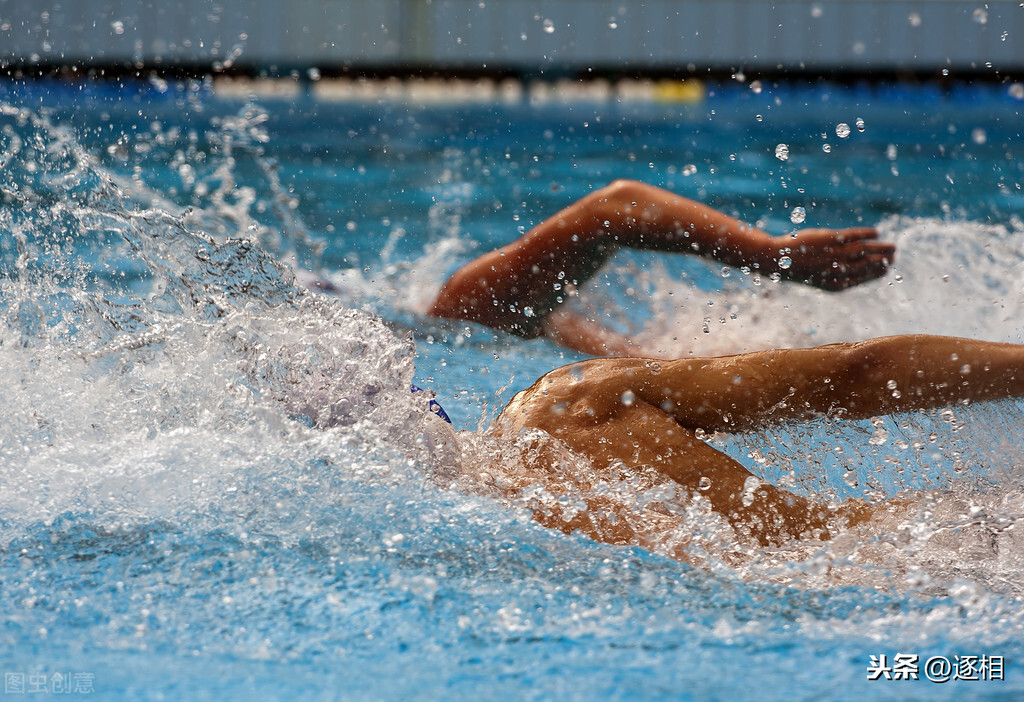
point(846, 39)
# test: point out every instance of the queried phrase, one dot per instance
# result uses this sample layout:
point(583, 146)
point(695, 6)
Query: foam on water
point(145, 391)
point(203, 461)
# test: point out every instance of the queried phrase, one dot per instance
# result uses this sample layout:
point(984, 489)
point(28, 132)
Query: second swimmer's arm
point(641, 216)
point(515, 287)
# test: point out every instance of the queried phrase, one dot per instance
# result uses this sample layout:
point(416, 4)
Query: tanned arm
point(646, 412)
point(516, 287)
point(859, 380)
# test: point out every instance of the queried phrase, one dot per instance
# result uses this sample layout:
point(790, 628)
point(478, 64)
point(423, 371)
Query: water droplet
point(860, 124)
point(117, 26)
point(842, 130)
point(879, 437)
point(549, 27)
point(891, 152)
point(689, 169)
point(528, 311)
point(978, 136)
point(750, 486)
point(798, 215)
point(705, 483)
point(759, 118)
point(785, 262)
point(756, 88)
point(980, 16)
point(827, 148)
point(782, 152)
point(914, 19)
point(628, 398)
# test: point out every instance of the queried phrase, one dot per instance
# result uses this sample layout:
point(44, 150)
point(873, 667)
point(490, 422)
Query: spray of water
point(164, 355)
point(153, 372)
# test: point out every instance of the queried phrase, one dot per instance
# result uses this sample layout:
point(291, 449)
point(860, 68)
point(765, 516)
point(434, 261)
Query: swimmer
point(633, 414)
point(516, 288)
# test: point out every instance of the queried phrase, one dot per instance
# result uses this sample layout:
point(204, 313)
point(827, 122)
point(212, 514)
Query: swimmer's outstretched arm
point(642, 412)
point(516, 288)
point(858, 380)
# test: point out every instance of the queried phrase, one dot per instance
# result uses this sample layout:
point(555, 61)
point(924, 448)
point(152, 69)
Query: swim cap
point(434, 406)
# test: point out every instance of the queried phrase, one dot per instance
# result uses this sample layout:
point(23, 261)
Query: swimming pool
point(171, 528)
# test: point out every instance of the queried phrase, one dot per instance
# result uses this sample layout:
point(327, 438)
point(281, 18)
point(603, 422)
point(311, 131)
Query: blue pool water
point(172, 528)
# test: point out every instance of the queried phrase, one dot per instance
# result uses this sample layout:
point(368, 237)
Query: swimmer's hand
point(833, 259)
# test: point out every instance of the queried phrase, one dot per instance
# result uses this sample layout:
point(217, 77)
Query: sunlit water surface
point(173, 524)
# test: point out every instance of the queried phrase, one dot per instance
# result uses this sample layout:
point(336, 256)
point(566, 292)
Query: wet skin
point(639, 412)
point(520, 288)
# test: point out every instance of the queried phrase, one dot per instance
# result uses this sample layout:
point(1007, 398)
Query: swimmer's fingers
point(872, 247)
point(850, 273)
point(817, 237)
point(843, 271)
point(851, 234)
point(861, 271)
point(855, 251)
point(835, 259)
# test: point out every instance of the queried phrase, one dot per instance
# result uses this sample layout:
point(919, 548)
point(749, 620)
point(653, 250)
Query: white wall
point(558, 35)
